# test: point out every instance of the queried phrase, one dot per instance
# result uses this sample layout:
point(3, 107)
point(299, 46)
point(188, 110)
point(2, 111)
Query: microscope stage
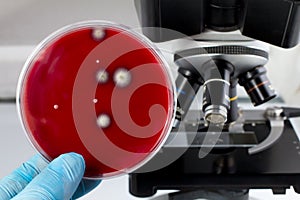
point(276, 168)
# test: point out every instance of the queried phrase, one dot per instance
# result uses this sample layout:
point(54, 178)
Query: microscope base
point(207, 194)
point(277, 168)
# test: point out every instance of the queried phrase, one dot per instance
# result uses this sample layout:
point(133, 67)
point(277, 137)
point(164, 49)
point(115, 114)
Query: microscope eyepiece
point(257, 85)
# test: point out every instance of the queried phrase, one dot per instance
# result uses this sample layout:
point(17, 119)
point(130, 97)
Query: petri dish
point(101, 90)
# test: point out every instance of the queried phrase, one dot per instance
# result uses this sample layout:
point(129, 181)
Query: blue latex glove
point(39, 180)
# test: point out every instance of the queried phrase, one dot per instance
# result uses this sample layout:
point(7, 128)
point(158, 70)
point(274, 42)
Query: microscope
point(224, 150)
point(103, 90)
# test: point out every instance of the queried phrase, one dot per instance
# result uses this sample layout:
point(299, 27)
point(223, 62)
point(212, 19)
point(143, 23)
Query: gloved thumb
point(58, 180)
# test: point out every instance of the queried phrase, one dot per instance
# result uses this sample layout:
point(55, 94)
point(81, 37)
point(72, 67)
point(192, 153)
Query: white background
point(23, 24)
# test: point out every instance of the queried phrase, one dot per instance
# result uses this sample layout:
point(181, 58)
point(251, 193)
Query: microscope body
point(222, 146)
point(256, 19)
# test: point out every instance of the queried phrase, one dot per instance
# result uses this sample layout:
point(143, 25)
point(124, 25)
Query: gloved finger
point(85, 187)
point(12, 184)
point(58, 180)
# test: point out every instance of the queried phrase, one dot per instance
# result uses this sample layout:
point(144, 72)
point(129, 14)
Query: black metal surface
point(291, 112)
point(210, 195)
point(276, 168)
point(185, 17)
point(224, 15)
point(228, 139)
point(272, 21)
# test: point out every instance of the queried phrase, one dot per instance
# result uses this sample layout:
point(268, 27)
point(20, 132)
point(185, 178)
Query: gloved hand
point(39, 180)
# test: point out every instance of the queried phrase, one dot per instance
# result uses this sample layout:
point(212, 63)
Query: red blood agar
point(61, 98)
